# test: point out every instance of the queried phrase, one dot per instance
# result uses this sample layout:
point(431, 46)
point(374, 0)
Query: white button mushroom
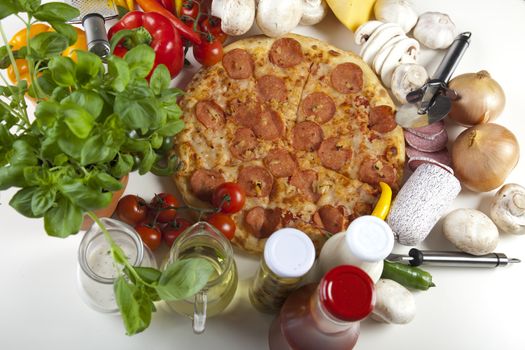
point(236, 16)
point(471, 231)
point(278, 17)
point(381, 56)
point(379, 37)
point(507, 209)
point(435, 30)
point(365, 30)
point(396, 11)
point(404, 51)
point(394, 303)
point(313, 12)
point(406, 78)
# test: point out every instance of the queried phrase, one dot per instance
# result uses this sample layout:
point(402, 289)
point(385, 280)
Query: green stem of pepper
point(408, 276)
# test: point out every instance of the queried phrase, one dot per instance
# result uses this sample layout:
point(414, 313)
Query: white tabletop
point(469, 309)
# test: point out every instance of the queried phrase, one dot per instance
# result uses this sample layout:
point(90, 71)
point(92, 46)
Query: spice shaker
point(288, 255)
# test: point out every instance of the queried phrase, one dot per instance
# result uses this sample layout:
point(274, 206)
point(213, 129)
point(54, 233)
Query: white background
point(469, 309)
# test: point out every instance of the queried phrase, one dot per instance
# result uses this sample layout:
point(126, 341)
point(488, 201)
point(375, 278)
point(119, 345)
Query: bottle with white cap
point(288, 255)
point(367, 241)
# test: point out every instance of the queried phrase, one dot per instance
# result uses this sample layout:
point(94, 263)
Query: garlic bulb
point(435, 30)
point(396, 11)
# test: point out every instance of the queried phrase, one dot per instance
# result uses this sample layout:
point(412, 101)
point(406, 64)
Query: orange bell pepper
point(19, 40)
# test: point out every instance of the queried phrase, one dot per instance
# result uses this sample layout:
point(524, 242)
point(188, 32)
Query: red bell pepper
point(155, 30)
point(185, 31)
point(168, 5)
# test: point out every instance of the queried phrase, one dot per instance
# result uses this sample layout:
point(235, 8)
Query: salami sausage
point(415, 162)
point(373, 170)
point(269, 125)
point(330, 218)
point(256, 181)
point(307, 136)
point(320, 106)
point(238, 64)
point(243, 144)
point(203, 182)
point(441, 156)
point(381, 119)
point(332, 154)
point(270, 87)
point(263, 222)
point(428, 132)
point(425, 145)
point(209, 114)
point(347, 78)
point(245, 113)
point(286, 53)
point(304, 181)
point(280, 163)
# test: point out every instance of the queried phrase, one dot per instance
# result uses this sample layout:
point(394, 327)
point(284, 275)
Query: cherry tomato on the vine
point(132, 209)
point(159, 203)
point(150, 235)
point(208, 52)
point(189, 11)
point(224, 223)
point(212, 25)
point(229, 197)
point(173, 229)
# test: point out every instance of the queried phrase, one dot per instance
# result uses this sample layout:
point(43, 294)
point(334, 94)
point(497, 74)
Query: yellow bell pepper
point(19, 40)
point(383, 204)
point(178, 6)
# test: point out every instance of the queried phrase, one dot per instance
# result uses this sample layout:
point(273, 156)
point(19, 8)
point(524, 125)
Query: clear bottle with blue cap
point(288, 255)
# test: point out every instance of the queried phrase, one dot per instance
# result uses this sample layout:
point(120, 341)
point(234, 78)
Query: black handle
point(452, 57)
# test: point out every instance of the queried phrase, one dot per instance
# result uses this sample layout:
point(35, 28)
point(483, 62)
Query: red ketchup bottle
point(325, 316)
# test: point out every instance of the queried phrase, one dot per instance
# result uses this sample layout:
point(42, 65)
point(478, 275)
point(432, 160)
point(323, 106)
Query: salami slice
point(320, 106)
point(286, 53)
point(347, 78)
point(263, 222)
point(373, 170)
point(209, 114)
point(256, 181)
point(332, 154)
point(243, 144)
point(245, 113)
point(203, 182)
point(381, 119)
point(304, 181)
point(270, 87)
point(415, 162)
point(307, 136)
point(280, 163)
point(330, 218)
point(429, 132)
point(269, 125)
point(425, 145)
point(238, 64)
point(441, 156)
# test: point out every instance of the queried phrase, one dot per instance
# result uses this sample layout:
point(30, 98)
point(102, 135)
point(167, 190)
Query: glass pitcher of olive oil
point(204, 241)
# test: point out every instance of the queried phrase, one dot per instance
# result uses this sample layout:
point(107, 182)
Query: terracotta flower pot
point(107, 211)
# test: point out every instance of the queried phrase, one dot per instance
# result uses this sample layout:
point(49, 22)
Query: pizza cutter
point(93, 14)
point(432, 102)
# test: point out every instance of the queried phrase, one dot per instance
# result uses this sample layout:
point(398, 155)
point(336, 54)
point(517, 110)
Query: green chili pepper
point(408, 276)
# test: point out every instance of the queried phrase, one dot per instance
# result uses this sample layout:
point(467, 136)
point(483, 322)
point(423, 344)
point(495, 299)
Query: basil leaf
point(23, 154)
point(86, 99)
point(171, 128)
point(148, 274)
point(46, 113)
point(56, 11)
point(149, 158)
point(66, 30)
point(160, 79)
point(140, 59)
point(84, 196)
point(133, 305)
point(119, 73)
point(12, 176)
point(8, 7)
point(48, 44)
point(95, 151)
point(64, 219)
point(135, 114)
point(43, 199)
point(89, 67)
point(184, 278)
point(78, 120)
point(123, 166)
point(62, 70)
point(118, 255)
point(37, 176)
point(21, 202)
point(107, 182)
point(46, 83)
point(29, 5)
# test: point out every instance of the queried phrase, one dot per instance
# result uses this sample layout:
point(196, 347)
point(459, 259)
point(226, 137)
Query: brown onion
point(484, 155)
point(481, 98)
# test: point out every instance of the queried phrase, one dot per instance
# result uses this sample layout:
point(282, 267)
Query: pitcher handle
point(199, 312)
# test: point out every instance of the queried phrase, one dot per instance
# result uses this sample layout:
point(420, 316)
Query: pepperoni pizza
point(305, 128)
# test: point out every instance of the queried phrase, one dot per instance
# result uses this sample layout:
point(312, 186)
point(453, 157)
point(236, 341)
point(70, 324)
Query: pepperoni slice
point(243, 144)
point(332, 154)
point(286, 53)
point(271, 87)
point(381, 119)
point(304, 181)
point(256, 181)
point(238, 64)
point(320, 106)
point(330, 218)
point(269, 126)
point(210, 114)
point(280, 163)
point(307, 136)
point(347, 78)
point(203, 182)
point(245, 113)
point(263, 222)
point(373, 170)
